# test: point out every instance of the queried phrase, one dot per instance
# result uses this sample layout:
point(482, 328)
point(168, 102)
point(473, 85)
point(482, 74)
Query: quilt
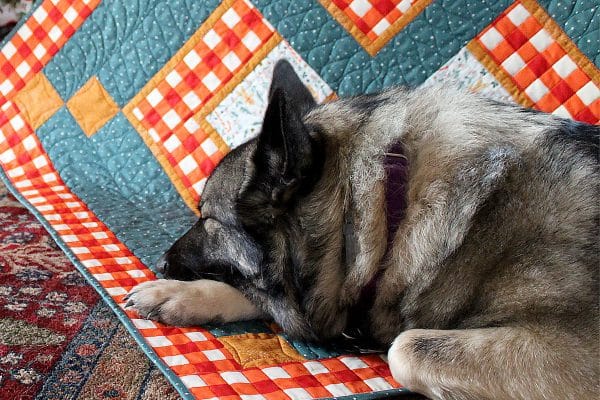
point(113, 114)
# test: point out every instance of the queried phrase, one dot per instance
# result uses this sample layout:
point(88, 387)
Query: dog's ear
point(288, 158)
point(286, 79)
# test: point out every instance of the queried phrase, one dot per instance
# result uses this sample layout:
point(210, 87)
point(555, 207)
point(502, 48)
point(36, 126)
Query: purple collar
point(396, 180)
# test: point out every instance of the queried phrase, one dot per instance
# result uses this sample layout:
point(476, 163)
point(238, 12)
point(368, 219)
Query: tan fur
point(192, 303)
point(490, 290)
point(535, 363)
point(493, 363)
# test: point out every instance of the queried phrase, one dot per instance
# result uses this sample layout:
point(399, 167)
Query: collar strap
point(396, 171)
point(396, 180)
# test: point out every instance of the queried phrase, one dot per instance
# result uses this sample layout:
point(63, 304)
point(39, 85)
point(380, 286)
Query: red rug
point(57, 339)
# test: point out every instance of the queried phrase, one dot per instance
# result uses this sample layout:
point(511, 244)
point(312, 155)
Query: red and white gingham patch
point(209, 370)
point(373, 23)
point(167, 111)
point(95, 246)
point(202, 362)
point(373, 17)
point(539, 66)
point(38, 39)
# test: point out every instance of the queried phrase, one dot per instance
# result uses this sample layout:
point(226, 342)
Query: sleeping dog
point(462, 232)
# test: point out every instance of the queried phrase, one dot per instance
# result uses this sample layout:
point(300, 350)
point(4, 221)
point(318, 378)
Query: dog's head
point(243, 237)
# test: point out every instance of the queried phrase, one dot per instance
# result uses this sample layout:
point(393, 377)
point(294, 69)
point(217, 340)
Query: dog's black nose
point(161, 264)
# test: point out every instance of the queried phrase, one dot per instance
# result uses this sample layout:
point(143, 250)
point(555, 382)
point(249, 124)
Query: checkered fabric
point(220, 71)
point(38, 39)
point(208, 369)
point(21, 154)
point(373, 23)
point(373, 17)
point(202, 362)
point(95, 246)
point(539, 65)
point(168, 111)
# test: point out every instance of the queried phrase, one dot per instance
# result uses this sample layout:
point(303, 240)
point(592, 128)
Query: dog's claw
point(129, 303)
point(127, 296)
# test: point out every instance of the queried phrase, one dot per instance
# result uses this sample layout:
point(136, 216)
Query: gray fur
point(491, 286)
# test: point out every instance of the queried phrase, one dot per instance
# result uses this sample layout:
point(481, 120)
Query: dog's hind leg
point(494, 363)
point(191, 303)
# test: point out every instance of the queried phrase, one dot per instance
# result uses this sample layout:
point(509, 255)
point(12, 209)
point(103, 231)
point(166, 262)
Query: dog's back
point(496, 263)
point(530, 249)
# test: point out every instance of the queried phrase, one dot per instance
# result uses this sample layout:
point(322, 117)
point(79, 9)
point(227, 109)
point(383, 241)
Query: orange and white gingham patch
point(95, 246)
point(167, 110)
point(374, 22)
point(193, 154)
point(198, 358)
point(374, 17)
point(209, 370)
point(38, 39)
point(541, 62)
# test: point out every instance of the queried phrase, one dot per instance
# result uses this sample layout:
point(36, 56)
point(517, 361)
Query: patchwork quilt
point(113, 114)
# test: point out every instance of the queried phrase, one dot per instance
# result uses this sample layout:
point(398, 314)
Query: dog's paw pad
point(149, 298)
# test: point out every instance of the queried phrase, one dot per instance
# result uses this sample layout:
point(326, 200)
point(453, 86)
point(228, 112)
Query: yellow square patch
point(92, 106)
point(38, 100)
point(260, 349)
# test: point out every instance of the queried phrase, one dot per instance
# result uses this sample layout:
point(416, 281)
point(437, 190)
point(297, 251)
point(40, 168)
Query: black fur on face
point(289, 156)
point(247, 210)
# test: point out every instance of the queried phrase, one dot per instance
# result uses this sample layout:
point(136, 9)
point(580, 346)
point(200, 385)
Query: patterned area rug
point(11, 11)
point(113, 114)
point(57, 339)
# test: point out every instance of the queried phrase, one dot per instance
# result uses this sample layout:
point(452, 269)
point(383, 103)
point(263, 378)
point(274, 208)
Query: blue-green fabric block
point(115, 174)
point(125, 43)
point(415, 53)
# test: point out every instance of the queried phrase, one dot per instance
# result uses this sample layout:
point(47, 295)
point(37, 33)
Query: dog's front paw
point(417, 360)
point(170, 302)
point(401, 361)
point(153, 299)
point(190, 303)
